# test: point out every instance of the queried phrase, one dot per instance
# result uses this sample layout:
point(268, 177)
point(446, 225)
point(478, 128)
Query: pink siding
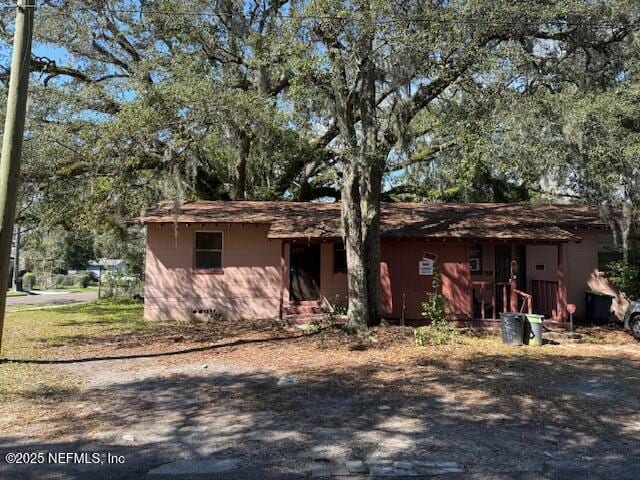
point(545, 256)
point(248, 288)
point(400, 264)
point(582, 269)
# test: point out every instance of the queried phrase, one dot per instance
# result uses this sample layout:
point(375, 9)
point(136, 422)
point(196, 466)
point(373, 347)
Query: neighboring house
point(107, 266)
point(279, 259)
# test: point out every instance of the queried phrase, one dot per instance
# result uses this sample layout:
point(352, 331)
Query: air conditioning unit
point(474, 264)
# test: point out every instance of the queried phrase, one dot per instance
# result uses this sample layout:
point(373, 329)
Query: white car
point(632, 319)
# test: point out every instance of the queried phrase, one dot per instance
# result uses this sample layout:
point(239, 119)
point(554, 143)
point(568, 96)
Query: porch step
point(303, 319)
point(303, 308)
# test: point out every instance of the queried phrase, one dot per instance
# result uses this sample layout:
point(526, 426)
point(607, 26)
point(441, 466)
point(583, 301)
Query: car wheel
point(635, 327)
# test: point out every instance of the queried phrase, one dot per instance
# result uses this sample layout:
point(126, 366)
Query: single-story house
point(107, 266)
point(286, 259)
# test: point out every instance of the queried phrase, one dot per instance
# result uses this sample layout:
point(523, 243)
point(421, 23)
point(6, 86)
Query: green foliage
point(420, 337)
point(60, 281)
point(78, 250)
point(83, 280)
point(473, 101)
point(29, 280)
point(334, 311)
point(434, 308)
point(117, 285)
point(626, 278)
point(438, 332)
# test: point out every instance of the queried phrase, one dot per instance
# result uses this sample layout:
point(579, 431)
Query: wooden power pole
point(12, 142)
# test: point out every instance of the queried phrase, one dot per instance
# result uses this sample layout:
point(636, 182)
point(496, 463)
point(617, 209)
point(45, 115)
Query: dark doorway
point(503, 262)
point(305, 272)
point(521, 258)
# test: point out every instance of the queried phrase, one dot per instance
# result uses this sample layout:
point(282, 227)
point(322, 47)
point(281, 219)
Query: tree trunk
point(241, 166)
point(358, 310)
point(625, 231)
point(373, 164)
point(371, 238)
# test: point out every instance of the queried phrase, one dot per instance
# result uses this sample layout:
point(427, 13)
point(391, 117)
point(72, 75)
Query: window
point(339, 258)
point(475, 258)
point(208, 250)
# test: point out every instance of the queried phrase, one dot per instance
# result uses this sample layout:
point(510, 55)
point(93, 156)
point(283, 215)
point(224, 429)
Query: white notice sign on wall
point(425, 266)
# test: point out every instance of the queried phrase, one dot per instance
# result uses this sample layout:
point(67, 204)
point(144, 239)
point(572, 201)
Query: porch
point(480, 279)
point(530, 285)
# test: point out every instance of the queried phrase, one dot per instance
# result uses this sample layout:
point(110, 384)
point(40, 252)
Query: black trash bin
point(598, 307)
point(512, 327)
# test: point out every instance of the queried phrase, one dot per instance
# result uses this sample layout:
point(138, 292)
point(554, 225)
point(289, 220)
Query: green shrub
point(59, 280)
point(420, 337)
point(118, 285)
point(334, 311)
point(434, 308)
point(29, 280)
point(83, 280)
point(626, 278)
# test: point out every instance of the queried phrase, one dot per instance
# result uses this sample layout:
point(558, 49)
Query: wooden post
point(561, 296)
point(513, 284)
point(283, 267)
point(16, 110)
point(16, 261)
point(493, 300)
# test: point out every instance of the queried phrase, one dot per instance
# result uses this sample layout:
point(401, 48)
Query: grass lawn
point(13, 293)
point(31, 334)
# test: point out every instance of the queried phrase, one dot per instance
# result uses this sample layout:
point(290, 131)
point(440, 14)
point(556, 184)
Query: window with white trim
point(207, 254)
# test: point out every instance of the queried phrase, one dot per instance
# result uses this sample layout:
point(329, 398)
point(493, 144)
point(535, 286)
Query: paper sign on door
point(425, 266)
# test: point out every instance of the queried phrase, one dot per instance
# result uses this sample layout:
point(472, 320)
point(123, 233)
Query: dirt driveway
point(260, 406)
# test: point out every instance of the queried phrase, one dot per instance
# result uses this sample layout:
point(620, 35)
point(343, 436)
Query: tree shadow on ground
point(547, 417)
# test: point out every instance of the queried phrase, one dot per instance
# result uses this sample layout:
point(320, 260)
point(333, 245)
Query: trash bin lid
point(533, 318)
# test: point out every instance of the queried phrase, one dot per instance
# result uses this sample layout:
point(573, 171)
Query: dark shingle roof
point(290, 220)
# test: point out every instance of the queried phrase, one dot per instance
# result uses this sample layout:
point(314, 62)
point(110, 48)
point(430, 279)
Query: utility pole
point(12, 142)
point(16, 260)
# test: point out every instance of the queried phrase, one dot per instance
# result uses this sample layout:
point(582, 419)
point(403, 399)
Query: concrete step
point(303, 308)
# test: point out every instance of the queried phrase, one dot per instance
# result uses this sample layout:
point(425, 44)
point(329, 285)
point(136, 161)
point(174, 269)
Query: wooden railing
point(526, 301)
point(501, 290)
point(505, 293)
point(482, 288)
point(545, 297)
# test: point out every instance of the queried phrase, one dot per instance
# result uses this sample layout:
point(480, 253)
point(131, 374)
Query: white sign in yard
point(425, 266)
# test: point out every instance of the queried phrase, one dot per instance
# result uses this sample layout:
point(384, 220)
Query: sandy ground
point(562, 411)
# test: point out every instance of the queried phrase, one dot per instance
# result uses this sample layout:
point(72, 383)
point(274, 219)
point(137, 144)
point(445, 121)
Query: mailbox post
point(571, 308)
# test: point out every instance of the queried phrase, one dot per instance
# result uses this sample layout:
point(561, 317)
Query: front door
point(305, 272)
